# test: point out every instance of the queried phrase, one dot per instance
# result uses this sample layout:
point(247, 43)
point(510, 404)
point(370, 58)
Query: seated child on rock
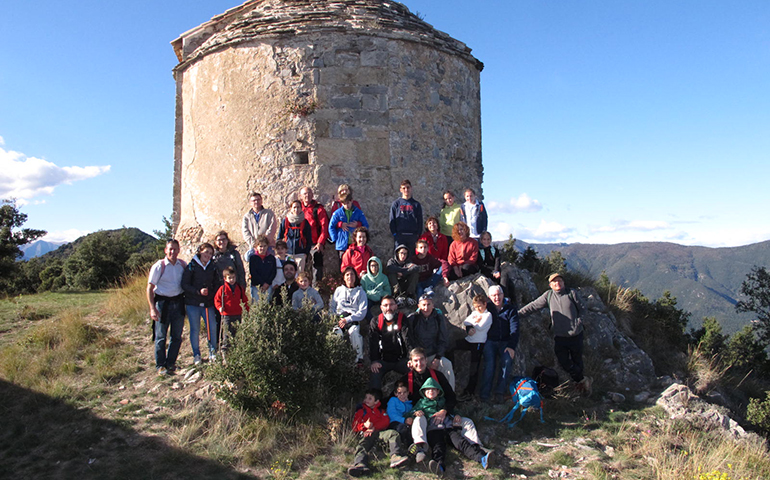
point(371, 422)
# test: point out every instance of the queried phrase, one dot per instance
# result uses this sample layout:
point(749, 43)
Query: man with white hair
point(502, 340)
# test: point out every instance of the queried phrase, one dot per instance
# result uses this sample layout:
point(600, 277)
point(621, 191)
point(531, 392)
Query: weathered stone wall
point(383, 105)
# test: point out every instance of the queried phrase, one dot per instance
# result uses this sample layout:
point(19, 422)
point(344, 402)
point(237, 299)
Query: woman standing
point(200, 282)
point(226, 255)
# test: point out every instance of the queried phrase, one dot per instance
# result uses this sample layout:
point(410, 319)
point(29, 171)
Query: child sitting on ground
point(431, 405)
point(262, 270)
point(371, 423)
point(476, 325)
point(228, 300)
point(399, 406)
point(306, 291)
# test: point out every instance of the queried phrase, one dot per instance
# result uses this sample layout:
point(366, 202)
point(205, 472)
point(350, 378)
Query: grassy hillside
point(82, 400)
point(705, 281)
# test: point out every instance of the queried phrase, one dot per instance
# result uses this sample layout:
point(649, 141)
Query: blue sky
point(603, 121)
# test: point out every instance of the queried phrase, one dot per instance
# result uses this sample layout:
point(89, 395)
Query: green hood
point(431, 383)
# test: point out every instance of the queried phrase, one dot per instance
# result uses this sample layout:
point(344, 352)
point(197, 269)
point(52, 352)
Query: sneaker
point(358, 470)
point(485, 460)
point(197, 360)
point(162, 371)
point(417, 452)
point(400, 301)
point(212, 357)
point(436, 468)
point(398, 460)
point(171, 370)
point(410, 302)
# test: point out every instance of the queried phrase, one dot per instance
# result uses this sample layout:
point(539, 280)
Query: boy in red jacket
point(371, 422)
point(228, 301)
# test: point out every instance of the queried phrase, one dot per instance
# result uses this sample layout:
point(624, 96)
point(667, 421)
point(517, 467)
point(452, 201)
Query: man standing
point(502, 340)
point(316, 216)
point(387, 342)
point(567, 328)
point(406, 218)
point(258, 221)
point(428, 330)
point(166, 300)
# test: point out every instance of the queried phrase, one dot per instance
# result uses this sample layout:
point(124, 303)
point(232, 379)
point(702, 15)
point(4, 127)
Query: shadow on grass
point(45, 438)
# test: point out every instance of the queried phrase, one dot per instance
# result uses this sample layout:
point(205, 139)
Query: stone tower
point(276, 94)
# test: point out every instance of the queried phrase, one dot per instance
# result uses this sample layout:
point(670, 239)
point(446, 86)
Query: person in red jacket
point(358, 254)
point(463, 253)
point(371, 423)
point(316, 216)
point(228, 300)
point(438, 243)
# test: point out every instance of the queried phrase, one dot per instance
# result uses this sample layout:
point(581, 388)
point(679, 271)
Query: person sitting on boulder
point(567, 326)
point(489, 262)
point(463, 253)
point(432, 270)
point(403, 275)
point(429, 331)
point(358, 253)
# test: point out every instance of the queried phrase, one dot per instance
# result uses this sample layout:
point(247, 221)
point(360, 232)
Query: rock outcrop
point(613, 359)
point(681, 403)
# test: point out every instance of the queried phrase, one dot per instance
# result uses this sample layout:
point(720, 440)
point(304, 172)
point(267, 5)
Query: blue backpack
point(525, 394)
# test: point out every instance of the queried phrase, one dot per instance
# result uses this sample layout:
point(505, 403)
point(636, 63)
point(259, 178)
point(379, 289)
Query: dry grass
point(128, 302)
point(705, 370)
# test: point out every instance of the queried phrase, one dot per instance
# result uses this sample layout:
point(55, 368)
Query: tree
point(11, 238)
point(757, 288)
point(509, 253)
point(709, 338)
point(99, 261)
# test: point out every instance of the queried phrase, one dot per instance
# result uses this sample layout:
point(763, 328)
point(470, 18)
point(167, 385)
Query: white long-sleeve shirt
point(481, 322)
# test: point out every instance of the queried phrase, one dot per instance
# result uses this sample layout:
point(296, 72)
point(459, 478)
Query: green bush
point(758, 413)
point(285, 363)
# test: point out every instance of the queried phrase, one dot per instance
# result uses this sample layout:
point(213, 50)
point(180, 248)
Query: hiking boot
point(212, 357)
point(436, 468)
point(358, 470)
point(417, 452)
point(586, 386)
point(398, 460)
point(197, 360)
point(171, 370)
point(162, 371)
point(486, 460)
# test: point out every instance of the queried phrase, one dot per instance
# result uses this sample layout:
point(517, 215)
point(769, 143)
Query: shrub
point(283, 363)
point(758, 413)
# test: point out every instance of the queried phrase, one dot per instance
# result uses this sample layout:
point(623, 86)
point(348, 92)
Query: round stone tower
point(276, 94)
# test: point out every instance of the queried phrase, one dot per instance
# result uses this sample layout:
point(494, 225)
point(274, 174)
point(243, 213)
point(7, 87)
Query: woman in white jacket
point(349, 302)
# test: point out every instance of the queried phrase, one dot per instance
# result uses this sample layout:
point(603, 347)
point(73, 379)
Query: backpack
point(381, 321)
point(547, 380)
point(525, 394)
point(287, 227)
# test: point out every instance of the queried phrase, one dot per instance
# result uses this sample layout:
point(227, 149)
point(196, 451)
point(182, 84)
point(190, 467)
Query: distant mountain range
point(705, 281)
point(38, 248)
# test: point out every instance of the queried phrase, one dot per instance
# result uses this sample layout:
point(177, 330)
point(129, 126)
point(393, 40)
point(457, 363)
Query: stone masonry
point(276, 94)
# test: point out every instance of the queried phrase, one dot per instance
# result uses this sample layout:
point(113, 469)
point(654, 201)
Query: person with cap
point(567, 326)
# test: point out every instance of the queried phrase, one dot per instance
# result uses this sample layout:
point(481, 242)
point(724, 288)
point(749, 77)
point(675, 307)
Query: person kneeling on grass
point(371, 423)
point(431, 402)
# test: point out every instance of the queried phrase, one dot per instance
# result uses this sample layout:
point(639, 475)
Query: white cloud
point(545, 232)
point(65, 235)
point(25, 177)
point(522, 204)
point(632, 226)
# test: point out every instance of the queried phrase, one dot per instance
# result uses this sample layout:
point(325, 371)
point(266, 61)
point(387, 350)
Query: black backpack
point(547, 380)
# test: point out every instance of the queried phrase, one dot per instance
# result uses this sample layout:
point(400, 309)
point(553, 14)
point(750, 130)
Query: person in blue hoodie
point(406, 218)
point(344, 220)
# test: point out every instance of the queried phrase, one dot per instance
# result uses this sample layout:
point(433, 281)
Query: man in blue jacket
point(406, 218)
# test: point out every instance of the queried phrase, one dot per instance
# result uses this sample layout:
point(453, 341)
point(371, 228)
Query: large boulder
point(611, 358)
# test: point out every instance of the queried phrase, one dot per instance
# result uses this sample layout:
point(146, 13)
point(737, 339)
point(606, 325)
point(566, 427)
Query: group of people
point(281, 258)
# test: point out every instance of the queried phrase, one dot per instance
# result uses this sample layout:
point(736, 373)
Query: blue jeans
point(493, 350)
point(430, 282)
point(172, 317)
point(209, 315)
